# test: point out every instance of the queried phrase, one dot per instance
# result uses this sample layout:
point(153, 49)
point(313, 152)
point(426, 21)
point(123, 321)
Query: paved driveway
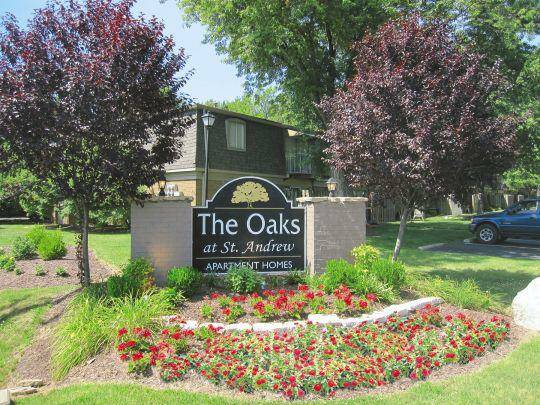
point(510, 248)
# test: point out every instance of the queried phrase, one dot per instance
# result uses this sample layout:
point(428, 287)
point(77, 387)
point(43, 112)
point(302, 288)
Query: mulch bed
point(107, 367)
point(99, 272)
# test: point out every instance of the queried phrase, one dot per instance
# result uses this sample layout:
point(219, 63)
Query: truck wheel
point(487, 234)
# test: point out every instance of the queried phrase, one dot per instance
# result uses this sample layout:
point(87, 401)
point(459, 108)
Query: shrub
point(338, 272)
point(91, 323)
point(61, 272)
point(23, 248)
point(18, 271)
point(36, 234)
point(7, 263)
point(141, 272)
point(389, 272)
point(52, 246)
point(184, 279)
point(243, 280)
point(40, 270)
point(364, 255)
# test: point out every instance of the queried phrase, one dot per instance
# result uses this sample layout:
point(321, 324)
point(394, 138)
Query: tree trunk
point(401, 232)
point(84, 239)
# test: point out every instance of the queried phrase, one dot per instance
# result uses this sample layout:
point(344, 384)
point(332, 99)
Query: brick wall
point(333, 227)
point(161, 231)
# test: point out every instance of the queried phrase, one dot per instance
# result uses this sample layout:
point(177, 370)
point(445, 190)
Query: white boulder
point(526, 306)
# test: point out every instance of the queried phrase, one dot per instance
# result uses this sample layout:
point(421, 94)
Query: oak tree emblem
point(249, 192)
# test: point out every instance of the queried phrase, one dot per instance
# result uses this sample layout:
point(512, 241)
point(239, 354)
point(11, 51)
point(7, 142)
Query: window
point(236, 134)
point(527, 207)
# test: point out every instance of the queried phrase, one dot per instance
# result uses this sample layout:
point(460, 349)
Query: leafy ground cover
point(313, 359)
point(483, 387)
point(21, 312)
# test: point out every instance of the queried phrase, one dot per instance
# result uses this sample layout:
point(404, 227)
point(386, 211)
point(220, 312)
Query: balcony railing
point(299, 163)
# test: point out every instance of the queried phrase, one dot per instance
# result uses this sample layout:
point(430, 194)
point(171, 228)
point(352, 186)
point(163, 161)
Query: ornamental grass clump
point(91, 321)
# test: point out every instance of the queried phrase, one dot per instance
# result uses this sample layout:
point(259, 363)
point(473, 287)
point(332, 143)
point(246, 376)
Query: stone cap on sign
point(314, 200)
point(157, 198)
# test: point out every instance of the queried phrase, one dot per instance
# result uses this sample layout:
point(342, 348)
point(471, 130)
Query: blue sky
point(212, 78)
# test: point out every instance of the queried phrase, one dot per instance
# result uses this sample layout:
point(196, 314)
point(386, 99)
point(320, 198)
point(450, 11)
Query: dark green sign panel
point(249, 222)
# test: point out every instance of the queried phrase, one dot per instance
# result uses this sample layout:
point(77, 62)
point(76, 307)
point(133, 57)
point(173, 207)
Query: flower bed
point(283, 304)
point(314, 359)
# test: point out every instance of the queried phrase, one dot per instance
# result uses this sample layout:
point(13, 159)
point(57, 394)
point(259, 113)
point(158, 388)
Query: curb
point(320, 319)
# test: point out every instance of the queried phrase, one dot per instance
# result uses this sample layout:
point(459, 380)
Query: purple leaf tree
point(418, 120)
point(90, 100)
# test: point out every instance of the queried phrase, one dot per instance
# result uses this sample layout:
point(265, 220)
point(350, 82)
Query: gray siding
point(265, 148)
point(189, 150)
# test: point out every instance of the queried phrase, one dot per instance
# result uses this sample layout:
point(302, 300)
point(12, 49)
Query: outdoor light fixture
point(331, 185)
point(208, 120)
point(161, 183)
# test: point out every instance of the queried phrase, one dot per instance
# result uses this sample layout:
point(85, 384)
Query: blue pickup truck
point(521, 220)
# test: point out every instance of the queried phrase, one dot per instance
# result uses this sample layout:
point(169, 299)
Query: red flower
point(214, 296)
point(137, 356)
point(122, 332)
point(302, 287)
point(371, 297)
point(362, 304)
point(395, 373)
point(450, 355)
point(317, 387)
point(226, 311)
point(261, 381)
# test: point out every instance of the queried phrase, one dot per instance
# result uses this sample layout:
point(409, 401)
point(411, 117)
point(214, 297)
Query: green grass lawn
point(500, 276)
point(21, 312)
point(515, 379)
point(113, 247)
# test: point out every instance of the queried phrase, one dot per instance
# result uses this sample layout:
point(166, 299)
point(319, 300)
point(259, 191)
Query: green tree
point(301, 46)
point(267, 103)
point(505, 30)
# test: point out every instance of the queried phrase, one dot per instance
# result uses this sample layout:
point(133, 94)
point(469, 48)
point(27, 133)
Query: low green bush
point(141, 272)
point(389, 272)
point(7, 263)
point(338, 272)
point(18, 271)
point(61, 272)
point(184, 279)
point(23, 248)
point(243, 280)
point(40, 270)
point(36, 234)
point(52, 246)
point(364, 255)
point(91, 323)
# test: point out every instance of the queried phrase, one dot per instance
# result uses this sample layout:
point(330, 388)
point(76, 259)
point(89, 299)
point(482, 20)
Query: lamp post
point(208, 120)
point(331, 185)
point(161, 183)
